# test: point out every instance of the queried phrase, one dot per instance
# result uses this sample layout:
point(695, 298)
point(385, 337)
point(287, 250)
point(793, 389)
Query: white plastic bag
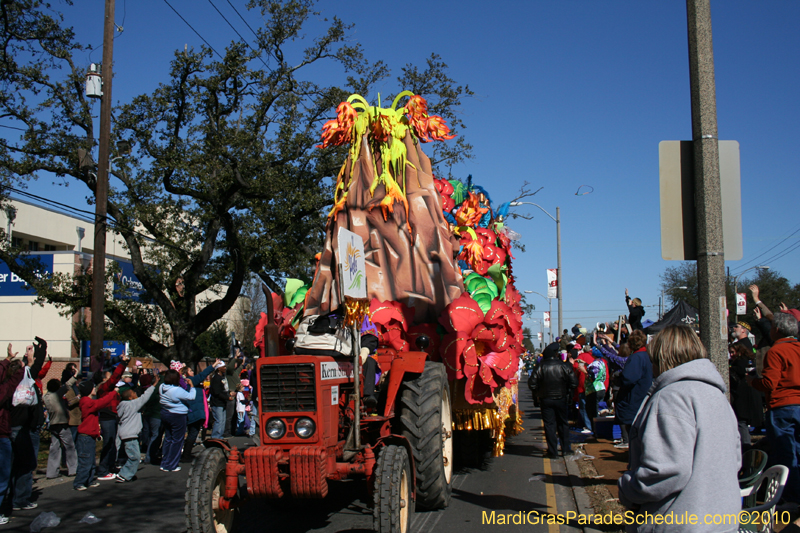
point(44, 520)
point(89, 518)
point(25, 394)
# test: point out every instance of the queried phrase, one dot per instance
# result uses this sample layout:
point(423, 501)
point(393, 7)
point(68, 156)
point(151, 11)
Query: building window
point(33, 246)
point(49, 248)
point(16, 242)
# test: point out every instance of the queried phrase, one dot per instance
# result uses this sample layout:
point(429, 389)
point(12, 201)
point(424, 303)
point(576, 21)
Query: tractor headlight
point(276, 428)
point(304, 427)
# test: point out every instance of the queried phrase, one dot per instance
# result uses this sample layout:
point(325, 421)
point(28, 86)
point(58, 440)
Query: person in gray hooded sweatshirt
point(684, 443)
point(130, 425)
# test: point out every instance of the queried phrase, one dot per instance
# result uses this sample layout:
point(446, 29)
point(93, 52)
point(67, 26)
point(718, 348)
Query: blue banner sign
point(12, 285)
point(127, 286)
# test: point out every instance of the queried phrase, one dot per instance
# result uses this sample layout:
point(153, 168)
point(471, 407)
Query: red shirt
point(109, 385)
point(781, 375)
point(90, 422)
point(588, 359)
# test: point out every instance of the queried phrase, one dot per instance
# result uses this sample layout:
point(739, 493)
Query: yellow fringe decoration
point(355, 309)
point(503, 421)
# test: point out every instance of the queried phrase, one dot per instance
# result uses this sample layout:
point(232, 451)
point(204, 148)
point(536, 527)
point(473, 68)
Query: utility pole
point(558, 273)
point(101, 188)
point(707, 195)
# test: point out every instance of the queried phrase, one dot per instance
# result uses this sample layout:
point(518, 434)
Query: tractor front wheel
point(393, 503)
point(203, 489)
point(425, 420)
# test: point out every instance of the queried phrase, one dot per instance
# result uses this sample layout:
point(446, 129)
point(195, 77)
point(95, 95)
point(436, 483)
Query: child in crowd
point(88, 433)
point(241, 410)
point(130, 425)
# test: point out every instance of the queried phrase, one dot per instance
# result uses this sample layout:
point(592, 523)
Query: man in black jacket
point(553, 382)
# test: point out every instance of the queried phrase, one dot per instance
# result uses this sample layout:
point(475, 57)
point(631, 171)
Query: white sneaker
point(3, 519)
point(586, 431)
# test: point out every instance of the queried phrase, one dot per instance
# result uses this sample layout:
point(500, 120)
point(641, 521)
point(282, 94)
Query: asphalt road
point(506, 485)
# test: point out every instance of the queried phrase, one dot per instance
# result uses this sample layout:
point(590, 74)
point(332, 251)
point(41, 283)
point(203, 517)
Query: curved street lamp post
point(550, 311)
point(557, 220)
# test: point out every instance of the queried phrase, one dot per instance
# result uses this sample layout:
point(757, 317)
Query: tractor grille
point(287, 388)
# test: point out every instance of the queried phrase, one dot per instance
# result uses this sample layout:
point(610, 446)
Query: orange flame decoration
point(470, 212)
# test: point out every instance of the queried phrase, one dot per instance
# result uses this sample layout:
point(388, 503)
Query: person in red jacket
point(11, 374)
point(88, 433)
point(781, 382)
point(109, 423)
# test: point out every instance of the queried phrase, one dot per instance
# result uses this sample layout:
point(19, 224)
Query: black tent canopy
point(682, 313)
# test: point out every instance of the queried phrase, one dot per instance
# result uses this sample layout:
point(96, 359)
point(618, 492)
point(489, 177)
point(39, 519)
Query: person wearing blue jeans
point(174, 400)
point(197, 408)
point(6, 458)
point(219, 397)
point(88, 433)
point(11, 374)
point(86, 474)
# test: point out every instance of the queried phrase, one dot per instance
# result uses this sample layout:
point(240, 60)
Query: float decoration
point(444, 258)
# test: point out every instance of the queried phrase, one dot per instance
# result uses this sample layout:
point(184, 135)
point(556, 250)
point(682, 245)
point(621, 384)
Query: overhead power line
point(192, 28)
point(239, 34)
point(744, 266)
point(110, 221)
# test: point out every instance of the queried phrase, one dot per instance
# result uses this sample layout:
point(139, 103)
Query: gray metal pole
point(558, 274)
point(708, 199)
point(550, 310)
point(101, 189)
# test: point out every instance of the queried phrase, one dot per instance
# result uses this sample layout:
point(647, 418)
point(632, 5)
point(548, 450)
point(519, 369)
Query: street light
point(557, 220)
point(661, 302)
point(736, 277)
point(549, 311)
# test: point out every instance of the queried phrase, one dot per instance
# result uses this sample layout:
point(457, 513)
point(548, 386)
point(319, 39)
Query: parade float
point(409, 335)
point(438, 261)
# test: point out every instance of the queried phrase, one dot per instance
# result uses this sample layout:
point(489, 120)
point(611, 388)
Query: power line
point(192, 28)
point(243, 20)
point(239, 34)
point(110, 221)
point(742, 266)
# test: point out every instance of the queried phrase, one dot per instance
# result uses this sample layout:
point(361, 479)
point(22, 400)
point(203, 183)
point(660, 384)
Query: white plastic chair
point(774, 478)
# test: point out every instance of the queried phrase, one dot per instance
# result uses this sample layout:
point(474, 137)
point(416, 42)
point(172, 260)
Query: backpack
point(25, 393)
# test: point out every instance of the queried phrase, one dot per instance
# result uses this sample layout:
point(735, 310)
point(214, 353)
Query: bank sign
point(13, 285)
point(127, 286)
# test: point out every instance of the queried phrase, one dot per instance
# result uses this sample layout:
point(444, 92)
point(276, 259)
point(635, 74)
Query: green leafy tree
point(224, 178)
point(526, 340)
point(773, 288)
point(214, 343)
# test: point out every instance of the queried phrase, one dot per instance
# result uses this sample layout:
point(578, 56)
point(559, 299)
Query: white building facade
point(64, 245)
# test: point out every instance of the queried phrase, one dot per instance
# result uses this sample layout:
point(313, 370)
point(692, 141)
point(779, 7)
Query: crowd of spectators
point(131, 414)
point(685, 438)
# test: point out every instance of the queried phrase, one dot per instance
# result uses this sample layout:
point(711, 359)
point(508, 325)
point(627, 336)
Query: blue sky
point(567, 93)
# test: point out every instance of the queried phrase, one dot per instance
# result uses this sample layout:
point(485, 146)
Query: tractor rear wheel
point(393, 502)
point(425, 420)
point(205, 485)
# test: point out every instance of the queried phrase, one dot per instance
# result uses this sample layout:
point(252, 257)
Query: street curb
point(582, 501)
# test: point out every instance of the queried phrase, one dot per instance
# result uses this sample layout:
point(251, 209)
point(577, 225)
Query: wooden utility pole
point(707, 192)
point(101, 188)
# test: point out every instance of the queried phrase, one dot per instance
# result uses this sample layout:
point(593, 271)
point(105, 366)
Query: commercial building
point(63, 243)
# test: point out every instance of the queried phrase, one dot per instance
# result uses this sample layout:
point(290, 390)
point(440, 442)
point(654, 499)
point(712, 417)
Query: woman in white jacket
point(684, 444)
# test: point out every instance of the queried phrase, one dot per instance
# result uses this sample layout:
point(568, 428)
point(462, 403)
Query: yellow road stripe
point(550, 494)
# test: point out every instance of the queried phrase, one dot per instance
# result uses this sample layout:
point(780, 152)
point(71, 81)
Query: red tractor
point(314, 429)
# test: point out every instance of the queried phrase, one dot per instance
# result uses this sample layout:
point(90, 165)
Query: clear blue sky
point(568, 93)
